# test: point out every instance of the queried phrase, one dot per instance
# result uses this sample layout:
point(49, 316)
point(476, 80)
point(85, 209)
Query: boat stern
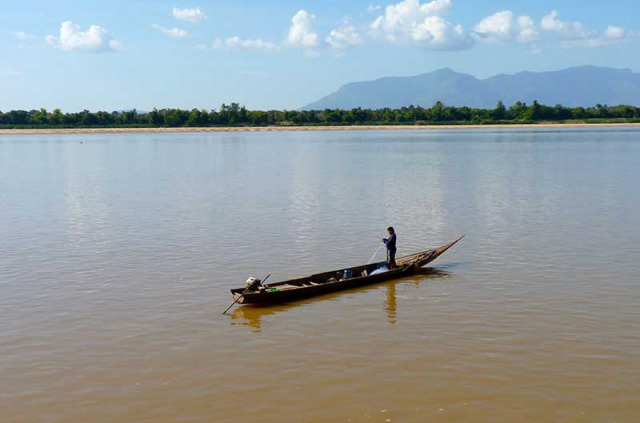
point(237, 295)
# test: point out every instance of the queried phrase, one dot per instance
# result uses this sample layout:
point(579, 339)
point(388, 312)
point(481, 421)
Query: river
point(117, 253)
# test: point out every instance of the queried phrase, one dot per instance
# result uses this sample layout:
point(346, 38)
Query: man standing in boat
point(391, 247)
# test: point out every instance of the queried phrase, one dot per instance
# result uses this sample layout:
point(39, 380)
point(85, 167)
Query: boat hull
point(327, 282)
point(320, 289)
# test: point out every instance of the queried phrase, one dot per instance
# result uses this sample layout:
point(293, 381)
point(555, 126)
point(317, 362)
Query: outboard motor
point(253, 284)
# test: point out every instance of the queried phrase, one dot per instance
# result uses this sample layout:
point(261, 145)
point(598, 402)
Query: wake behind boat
point(335, 280)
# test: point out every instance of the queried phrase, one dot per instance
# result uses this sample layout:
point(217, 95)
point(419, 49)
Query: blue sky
point(112, 55)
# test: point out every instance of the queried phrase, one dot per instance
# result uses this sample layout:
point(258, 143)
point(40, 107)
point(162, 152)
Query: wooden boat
point(322, 283)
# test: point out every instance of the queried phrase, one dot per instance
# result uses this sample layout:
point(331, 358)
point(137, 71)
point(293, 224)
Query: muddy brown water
point(117, 252)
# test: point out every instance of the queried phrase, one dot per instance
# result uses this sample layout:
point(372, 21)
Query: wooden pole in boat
point(242, 295)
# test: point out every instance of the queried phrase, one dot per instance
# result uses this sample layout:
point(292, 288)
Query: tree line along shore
point(236, 115)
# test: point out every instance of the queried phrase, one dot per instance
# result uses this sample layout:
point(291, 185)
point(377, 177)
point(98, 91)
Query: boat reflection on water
point(390, 305)
point(251, 315)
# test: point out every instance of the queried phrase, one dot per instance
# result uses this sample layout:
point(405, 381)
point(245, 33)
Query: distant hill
point(573, 87)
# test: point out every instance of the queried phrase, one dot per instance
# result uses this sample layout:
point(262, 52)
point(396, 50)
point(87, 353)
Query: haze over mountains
point(573, 87)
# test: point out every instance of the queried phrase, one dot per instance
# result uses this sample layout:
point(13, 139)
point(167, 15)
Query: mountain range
point(572, 87)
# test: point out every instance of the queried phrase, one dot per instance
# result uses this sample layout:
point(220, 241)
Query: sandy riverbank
point(302, 128)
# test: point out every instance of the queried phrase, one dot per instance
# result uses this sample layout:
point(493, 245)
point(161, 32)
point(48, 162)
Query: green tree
point(500, 112)
point(533, 113)
point(436, 113)
point(56, 117)
point(155, 118)
point(39, 117)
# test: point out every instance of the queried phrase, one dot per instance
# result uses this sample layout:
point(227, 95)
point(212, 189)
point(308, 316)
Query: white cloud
point(568, 30)
point(344, 37)
point(301, 32)
point(615, 33)
point(21, 35)
point(612, 35)
point(175, 33)
point(527, 30)
point(574, 34)
point(435, 32)
point(247, 44)
point(422, 24)
point(189, 15)
point(505, 27)
point(95, 40)
point(373, 8)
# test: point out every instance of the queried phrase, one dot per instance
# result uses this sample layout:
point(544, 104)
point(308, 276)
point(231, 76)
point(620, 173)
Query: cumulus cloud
point(505, 27)
point(247, 44)
point(421, 24)
point(373, 8)
point(344, 37)
point(301, 33)
point(175, 33)
point(574, 34)
point(615, 32)
point(21, 35)
point(95, 40)
point(189, 15)
point(568, 30)
point(612, 35)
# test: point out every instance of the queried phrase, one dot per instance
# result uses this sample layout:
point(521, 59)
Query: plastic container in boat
point(347, 274)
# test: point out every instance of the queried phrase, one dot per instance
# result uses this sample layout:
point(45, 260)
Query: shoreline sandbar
point(44, 131)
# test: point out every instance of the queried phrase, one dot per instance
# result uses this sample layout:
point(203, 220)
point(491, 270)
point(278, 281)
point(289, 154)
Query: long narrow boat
point(323, 283)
